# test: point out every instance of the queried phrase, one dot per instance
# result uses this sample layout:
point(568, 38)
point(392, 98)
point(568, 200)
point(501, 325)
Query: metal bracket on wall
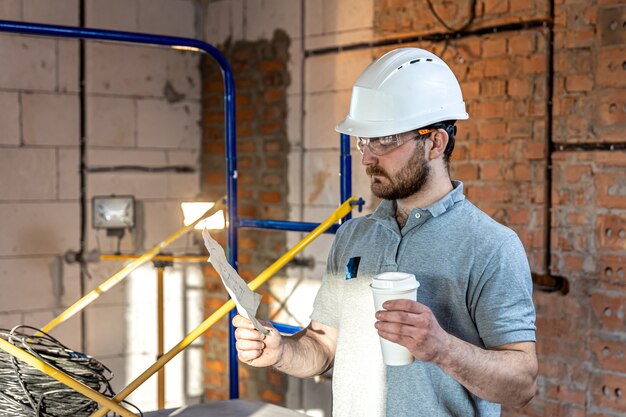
point(550, 283)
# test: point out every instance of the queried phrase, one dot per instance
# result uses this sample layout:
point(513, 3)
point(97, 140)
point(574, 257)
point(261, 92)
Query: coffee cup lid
point(395, 281)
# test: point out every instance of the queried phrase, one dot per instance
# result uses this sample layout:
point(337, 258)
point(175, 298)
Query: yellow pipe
point(122, 273)
point(160, 341)
point(64, 378)
point(341, 212)
point(162, 258)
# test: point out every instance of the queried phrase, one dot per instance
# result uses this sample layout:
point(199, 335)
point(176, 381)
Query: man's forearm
point(505, 376)
point(304, 356)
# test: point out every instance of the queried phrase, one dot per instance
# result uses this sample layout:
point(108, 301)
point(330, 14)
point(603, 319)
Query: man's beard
point(409, 180)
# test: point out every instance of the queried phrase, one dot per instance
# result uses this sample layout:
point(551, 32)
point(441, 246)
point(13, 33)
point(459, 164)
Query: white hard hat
point(403, 90)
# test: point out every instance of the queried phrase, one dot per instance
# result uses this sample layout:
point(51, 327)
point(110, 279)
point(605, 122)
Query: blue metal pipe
point(229, 124)
point(282, 225)
point(345, 172)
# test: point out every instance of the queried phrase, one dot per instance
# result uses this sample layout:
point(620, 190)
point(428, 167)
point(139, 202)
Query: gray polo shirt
point(473, 275)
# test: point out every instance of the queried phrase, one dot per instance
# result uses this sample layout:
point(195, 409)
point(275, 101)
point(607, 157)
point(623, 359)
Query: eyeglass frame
point(362, 142)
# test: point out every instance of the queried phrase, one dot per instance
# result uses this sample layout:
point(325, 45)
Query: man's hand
point(414, 326)
point(255, 348)
point(505, 374)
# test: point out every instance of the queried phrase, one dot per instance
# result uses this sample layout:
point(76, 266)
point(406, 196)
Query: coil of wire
point(26, 391)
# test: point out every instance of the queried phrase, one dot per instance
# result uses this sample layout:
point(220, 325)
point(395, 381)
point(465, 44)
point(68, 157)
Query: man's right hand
point(255, 348)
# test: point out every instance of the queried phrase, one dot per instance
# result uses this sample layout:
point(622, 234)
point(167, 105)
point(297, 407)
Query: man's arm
point(506, 374)
point(305, 354)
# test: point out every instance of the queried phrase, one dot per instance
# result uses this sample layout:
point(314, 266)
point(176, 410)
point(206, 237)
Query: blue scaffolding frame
point(231, 152)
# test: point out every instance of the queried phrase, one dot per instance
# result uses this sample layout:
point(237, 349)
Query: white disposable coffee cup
point(394, 286)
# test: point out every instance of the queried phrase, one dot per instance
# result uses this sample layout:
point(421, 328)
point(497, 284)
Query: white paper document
point(246, 300)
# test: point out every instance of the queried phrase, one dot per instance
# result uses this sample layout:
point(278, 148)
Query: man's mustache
point(375, 170)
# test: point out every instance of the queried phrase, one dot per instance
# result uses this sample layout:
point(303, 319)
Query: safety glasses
point(384, 144)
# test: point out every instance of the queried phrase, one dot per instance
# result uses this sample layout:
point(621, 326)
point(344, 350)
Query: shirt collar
point(454, 196)
point(386, 210)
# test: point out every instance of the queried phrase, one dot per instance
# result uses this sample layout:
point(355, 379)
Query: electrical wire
point(467, 24)
point(26, 391)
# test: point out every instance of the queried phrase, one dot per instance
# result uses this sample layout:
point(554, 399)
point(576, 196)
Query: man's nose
point(368, 158)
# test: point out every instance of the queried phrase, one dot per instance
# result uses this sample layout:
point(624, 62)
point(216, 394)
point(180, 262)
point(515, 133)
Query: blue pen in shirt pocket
point(352, 267)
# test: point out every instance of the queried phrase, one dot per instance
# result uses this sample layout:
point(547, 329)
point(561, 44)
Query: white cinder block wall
point(318, 98)
point(142, 109)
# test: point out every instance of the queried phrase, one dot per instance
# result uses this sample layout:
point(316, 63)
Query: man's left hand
point(414, 326)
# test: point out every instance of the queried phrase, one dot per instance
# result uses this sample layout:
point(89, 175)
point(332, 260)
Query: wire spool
point(26, 391)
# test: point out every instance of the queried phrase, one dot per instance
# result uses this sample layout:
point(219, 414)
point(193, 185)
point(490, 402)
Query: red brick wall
point(261, 80)
point(501, 155)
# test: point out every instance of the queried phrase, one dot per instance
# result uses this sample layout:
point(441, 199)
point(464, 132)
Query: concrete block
point(67, 332)
point(342, 15)
point(71, 284)
point(223, 19)
point(8, 320)
point(183, 75)
point(294, 121)
point(334, 39)
point(107, 329)
point(319, 248)
point(143, 185)
point(50, 119)
point(28, 174)
point(112, 14)
point(112, 157)
point(31, 284)
point(68, 65)
point(187, 157)
point(168, 17)
point(295, 215)
point(103, 270)
point(265, 16)
point(130, 70)
point(9, 118)
point(111, 121)
point(69, 174)
point(183, 186)
point(294, 161)
point(161, 220)
point(294, 66)
point(321, 185)
point(57, 12)
point(194, 367)
point(314, 17)
point(335, 72)
point(145, 396)
point(33, 63)
point(164, 125)
point(11, 10)
point(38, 228)
point(323, 112)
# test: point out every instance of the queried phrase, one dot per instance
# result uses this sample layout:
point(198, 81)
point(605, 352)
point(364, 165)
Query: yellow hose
point(341, 212)
point(123, 273)
point(64, 378)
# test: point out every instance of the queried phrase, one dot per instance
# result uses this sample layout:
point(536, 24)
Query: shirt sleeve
point(503, 306)
point(327, 304)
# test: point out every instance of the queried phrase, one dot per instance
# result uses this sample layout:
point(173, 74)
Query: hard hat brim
point(369, 129)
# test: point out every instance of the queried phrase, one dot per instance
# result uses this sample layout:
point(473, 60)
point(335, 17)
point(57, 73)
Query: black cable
point(26, 391)
point(467, 24)
point(137, 168)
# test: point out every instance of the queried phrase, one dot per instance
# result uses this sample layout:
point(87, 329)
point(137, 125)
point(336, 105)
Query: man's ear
point(439, 140)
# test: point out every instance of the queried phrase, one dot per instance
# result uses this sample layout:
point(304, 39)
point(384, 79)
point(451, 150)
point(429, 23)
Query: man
point(471, 329)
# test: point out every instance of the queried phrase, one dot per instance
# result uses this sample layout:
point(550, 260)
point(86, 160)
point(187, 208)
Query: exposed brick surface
point(261, 81)
point(501, 155)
